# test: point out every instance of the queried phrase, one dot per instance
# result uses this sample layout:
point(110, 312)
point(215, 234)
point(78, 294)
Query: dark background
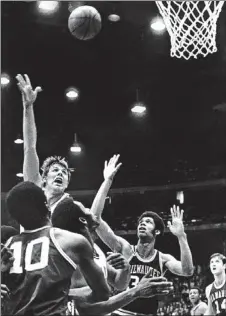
point(181, 139)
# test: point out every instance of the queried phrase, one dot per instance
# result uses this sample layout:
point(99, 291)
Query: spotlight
point(5, 80)
point(158, 25)
point(114, 17)
point(72, 94)
point(75, 148)
point(48, 6)
point(138, 108)
point(19, 175)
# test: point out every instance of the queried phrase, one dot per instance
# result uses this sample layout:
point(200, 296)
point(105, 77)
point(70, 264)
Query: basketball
point(84, 22)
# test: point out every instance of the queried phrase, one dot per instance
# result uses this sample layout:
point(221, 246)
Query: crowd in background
point(178, 303)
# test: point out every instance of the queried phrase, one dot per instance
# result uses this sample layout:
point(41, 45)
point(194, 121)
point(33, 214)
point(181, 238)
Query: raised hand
point(177, 226)
point(28, 94)
point(6, 258)
point(111, 167)
point(148, 287)
point(117, 261)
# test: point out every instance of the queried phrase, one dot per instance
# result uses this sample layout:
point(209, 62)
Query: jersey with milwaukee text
point(217, 296)
point(138, 268)
point(40, 277)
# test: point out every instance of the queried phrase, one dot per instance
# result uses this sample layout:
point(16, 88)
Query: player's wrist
point(182, 236)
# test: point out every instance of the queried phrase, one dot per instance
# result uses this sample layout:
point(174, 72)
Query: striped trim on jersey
point(56, 244)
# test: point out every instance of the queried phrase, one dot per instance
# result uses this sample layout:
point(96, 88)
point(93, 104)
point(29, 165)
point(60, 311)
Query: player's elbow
point(188, 271)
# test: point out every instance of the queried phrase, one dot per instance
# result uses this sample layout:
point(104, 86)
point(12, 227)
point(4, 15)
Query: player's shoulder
point(165, 256)
point(68, 239)
point(208, 289)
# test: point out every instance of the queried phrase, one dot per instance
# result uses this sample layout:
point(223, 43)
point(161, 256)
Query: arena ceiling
point(181, 139)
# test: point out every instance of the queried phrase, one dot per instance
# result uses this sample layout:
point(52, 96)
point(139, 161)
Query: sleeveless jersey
point(40, 277)
point(217, 296)
point(138, 268)
point(100, 260)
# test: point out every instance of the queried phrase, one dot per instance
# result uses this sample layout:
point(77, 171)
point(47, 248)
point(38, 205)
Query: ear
point(157, 232)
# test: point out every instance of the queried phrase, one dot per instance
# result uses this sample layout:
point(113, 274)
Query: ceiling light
point(158, 25)
point(72, 94)
point(139, 109)
point(48, 6)
point(4, 80)
point(19, 175)
point(18, 141)
point(75, 148)
point(114, 17)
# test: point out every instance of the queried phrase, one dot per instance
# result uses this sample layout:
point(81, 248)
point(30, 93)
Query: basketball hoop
point(191, 26)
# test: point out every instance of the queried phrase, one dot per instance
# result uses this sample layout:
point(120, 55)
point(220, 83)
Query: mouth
point(142, 230)
point(58, 181)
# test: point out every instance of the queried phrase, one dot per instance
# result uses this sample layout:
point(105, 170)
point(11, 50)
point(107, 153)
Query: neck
point(220, 279)
point(52, 197)
point(146, 249)
point(196, 303)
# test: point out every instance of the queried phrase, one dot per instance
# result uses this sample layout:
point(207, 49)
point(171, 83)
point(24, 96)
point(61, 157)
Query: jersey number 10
point(28, 265)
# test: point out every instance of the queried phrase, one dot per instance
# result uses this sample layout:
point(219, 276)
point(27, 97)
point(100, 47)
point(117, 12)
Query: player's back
point(40, 277)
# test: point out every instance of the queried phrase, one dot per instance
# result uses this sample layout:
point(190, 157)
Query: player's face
point(146, 227)
point(57, 178)
point(194, 296)
point(216, 265)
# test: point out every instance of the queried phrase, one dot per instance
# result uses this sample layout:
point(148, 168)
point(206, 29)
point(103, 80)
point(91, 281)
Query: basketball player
point(66, 216)
point(198, 306)
point(144, 257)
point(216, 292)
point(45, 258)
point(55, 172)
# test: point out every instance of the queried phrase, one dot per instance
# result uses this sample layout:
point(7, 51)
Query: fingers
point(169, 224)
point(4, 291)
point(38, 89)
point(21, 80)
point(118, 166)
point(28, 82)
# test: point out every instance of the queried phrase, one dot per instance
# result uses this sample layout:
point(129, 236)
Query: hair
point(70, 216)
point(7, 232)
point(48, 162)
point(196, 288)
point(159, 224)
point(26, 203)
point(220, 255)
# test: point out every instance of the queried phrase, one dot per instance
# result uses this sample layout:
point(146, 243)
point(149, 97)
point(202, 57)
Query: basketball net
point(191, 26)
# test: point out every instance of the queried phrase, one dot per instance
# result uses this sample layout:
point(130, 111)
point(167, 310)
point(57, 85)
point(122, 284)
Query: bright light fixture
point(48, 6)
point(158, 25)
point(19, 175)
point(114, 17)
point(72, 93)
point(5, 80)
point(18, 141)
point(76, 149)
point(138, 109)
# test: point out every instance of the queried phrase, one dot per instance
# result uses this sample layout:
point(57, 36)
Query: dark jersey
point(217, 297)
point(138, 268)
point(40, 277)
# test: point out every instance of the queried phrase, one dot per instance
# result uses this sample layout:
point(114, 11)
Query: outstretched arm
point(31, 161)
point(147, 287)
point(185, 265)
point(115, 243)
point(110, 170)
